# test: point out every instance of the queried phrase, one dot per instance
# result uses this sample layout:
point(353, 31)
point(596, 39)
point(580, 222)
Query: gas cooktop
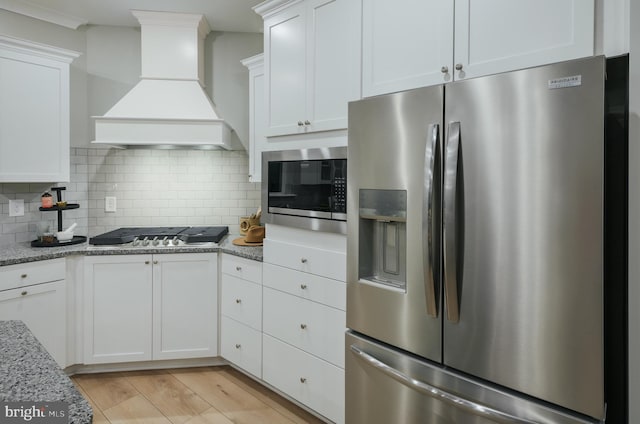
point(160, 236)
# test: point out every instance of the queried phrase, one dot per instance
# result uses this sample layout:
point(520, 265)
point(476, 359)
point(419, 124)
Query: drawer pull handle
point(303, 326)
point(238, 300)
point(238, 346)
point(24, 293)
point(23, 276)
point(155, 262)
point(238, 268)
point(303, 380)
point(303, 286)
point(303, 260)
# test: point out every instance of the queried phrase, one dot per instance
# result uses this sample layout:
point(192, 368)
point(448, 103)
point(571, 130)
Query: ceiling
point(222, 15)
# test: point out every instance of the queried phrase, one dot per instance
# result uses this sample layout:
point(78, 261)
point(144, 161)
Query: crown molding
point(42, 13)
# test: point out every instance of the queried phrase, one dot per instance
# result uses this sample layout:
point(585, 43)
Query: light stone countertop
point(23, 252)
point(29, 374)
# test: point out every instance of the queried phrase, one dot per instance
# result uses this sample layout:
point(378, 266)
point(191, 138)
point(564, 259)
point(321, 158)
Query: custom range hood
point(168, 107)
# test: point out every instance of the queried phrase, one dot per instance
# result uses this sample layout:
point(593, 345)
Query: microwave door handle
point(428, 221)
point(450, 222)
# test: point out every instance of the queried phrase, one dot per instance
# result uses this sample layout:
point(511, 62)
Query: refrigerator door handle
point(450, 222)
point(442, 395)
point(428, 211)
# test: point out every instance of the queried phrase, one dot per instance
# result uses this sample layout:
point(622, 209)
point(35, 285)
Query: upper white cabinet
point(34, 111)
point(438, 42)
point(312, 64)
point(257, 118)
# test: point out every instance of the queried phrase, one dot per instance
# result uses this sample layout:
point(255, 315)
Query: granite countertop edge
point(29, 374)
point(20, 253)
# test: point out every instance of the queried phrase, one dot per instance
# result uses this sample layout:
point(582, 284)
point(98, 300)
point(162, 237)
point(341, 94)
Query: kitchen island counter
point(29, 374)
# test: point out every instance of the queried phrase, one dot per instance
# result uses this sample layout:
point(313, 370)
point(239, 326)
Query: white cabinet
point(144, 307)
point(437, 41)
point(257, 118)
point(312, 64)
point(34, 111)
point(241, 313)
point(35, 294)
point(304, 318)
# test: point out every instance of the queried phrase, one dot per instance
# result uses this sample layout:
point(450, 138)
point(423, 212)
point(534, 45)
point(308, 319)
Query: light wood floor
point(210, 395)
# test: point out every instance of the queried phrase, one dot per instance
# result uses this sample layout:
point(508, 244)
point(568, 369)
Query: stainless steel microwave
point(306, 188)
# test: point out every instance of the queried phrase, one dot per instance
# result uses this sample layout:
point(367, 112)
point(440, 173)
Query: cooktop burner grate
point(186, 234)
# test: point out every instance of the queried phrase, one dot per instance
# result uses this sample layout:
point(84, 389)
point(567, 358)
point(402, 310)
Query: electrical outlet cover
point(16, 207)
point(110, 204)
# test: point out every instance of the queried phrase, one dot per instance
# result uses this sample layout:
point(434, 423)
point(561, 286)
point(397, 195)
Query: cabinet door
point(285, 71)
point(494, 36)
point(333, 62)
point(117, 309)
point(185, 306)
point(42, 308)
point(405, 44)
point(34, 111)
point(258, 124)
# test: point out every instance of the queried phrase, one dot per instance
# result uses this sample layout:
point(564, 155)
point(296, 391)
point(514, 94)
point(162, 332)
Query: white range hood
point(168, 107)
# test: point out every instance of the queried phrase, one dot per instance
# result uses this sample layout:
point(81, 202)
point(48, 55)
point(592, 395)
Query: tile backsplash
point(152, 188)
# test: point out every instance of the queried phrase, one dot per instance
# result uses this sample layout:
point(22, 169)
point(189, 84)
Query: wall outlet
point(16, 207)
point(110, 204)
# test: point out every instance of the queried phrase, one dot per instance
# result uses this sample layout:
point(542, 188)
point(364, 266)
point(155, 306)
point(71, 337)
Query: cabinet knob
point(303, 326)
point(306, 122)
point(300, 123)
point(238, 346)
point(238, 268)
point(303, 260)
point(155, 262)
point(24, 293)
point(303, 286)
point(23, 276)
point(303, 380)
point(458, 66)
point(238, 300)
point(147, 262)
point(444, 69)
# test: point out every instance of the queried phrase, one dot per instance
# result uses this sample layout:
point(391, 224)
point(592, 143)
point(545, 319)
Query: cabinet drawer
point(310, 326)
point(242, 268)
point(241, 345)
point(309, 380)
point(242, 301)
point(326, 263)
point(20, 275)
point(308, 286)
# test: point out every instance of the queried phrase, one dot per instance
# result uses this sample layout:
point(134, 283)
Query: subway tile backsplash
point(152, 188)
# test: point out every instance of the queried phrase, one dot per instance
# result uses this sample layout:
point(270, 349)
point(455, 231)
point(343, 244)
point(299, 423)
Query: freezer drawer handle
point(450, 232)
point(428, 219)
point(442, 395)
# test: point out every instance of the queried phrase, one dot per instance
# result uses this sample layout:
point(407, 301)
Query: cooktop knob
point(166, 241)
point(155, 241)
point(175, 241)
point(145, 242)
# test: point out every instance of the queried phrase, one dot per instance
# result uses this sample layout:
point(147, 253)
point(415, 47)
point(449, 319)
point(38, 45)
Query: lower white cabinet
point(306, 378)
point(241, 313)
point(147, 307)
point(35, 293)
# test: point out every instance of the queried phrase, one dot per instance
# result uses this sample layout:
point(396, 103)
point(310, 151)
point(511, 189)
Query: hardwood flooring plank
point(136, 410)
point(106, 390)
point(210, 416)
point(98, 417)
point(272, 399)
point(176, 401)
point(229, 398)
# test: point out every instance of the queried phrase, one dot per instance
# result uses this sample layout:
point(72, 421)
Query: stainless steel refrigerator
point(477, 271)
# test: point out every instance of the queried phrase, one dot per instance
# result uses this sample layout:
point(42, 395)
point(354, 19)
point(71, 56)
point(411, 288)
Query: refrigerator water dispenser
point(383, 238)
